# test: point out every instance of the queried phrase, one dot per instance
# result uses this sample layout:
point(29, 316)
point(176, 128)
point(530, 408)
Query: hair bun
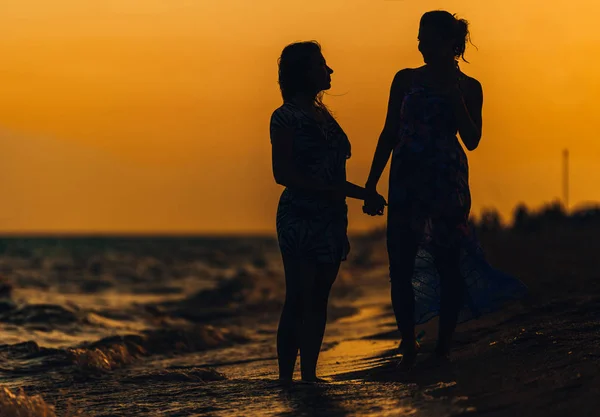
point(462, 27)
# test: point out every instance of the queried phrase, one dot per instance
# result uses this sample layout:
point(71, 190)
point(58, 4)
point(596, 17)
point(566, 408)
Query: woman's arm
point(387, 138)
point(467, 108)
point(356, 191)
point(284, 170)
point(285, 173)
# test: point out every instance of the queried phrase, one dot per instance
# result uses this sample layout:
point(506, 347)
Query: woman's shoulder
point(409, 71)
point(284, 116)
point(405, 78)
point(406, 74)
point(284, 110)
point(471, 82)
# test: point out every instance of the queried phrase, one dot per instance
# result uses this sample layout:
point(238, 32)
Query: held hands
point(374, 204)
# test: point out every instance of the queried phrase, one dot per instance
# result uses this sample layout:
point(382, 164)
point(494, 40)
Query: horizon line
point(127, 234)
point(593, 205)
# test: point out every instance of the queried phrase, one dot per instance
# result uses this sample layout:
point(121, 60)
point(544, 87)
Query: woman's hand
point(374, 204)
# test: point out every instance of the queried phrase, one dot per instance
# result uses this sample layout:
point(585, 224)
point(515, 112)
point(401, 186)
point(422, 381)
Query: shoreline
point(540, 359)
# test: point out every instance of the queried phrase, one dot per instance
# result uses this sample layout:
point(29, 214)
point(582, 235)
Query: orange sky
point(152, 115)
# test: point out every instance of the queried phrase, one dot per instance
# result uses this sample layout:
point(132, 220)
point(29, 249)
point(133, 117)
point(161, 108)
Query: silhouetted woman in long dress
point(310, 150)
point(429, 198)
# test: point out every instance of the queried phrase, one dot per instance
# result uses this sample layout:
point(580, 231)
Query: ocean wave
point(174, 375)
point(110, 353)
point(249, 291)
point(20, 404)
point(47, 314)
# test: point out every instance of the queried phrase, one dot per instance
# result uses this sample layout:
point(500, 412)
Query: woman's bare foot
point(409, 354)
point(409, 358)
point(402, 347)
point(285, 381)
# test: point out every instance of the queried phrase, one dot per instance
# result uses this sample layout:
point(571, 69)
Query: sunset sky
point(153, 115)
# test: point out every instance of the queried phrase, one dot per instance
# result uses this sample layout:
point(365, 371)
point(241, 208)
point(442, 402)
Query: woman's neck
point(441, 68)
point(441, 74)
point(304, 100)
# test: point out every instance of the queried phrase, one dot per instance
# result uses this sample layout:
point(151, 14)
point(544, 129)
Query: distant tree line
point(550, 215)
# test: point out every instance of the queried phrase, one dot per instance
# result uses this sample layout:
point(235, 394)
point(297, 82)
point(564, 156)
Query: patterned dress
point(429, 177)
point(312, 227)
point(429, 190)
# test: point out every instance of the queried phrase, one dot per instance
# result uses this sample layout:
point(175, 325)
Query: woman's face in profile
point(433, 46)
point(320, 73)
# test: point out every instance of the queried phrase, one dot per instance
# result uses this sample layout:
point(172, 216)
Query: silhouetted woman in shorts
point(310, 151)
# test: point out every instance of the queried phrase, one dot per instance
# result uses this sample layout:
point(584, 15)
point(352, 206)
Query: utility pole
point(566, 179)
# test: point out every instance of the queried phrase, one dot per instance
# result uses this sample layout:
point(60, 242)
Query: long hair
point(294, 63)
point(449, 27)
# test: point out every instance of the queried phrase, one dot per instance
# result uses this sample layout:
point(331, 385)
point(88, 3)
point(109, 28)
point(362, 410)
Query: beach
point(186, 326)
